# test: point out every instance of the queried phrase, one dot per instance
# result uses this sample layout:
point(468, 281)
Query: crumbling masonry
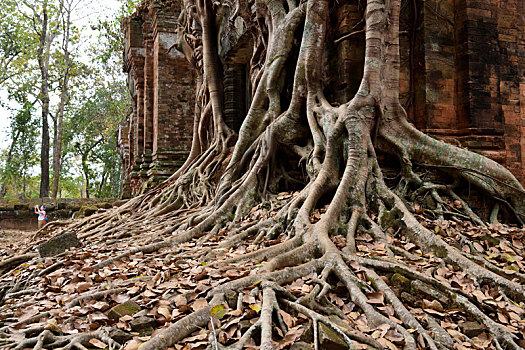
point(463, 79)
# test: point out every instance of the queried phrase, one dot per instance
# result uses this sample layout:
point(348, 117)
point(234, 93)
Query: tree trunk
point(63, 101)
point(55, 137)
point(102, 182)
point(341, 163)
point(87, 186)
point(44, 150)
point(24, 184)
point(85, 157)
point(43, 56)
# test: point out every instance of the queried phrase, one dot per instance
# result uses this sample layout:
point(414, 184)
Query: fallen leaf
point(287, 318)
point(99, 344)
point(248, 299)
point(479, 295)
point(180, 300)
point(133, 345)
point(94, 317)
point(290, 337)
point(82, 287)
point(433, 305)
point(387, 344)
point(218, 311)
point(199, 304)
point(148, 293)
point(52, 326)
point(502, 318)
point(478, 247)
point(255, 307)
point(100, 305)
point(121, 298)
point(376, 298)
point(164, 311)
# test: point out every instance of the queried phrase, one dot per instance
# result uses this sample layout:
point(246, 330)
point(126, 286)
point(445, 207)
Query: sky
point(89, 11)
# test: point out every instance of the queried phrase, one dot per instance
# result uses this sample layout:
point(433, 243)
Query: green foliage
point(15, 41)
point(93, 128)
point(97, 99)
point(18, 163)
point(110, 34)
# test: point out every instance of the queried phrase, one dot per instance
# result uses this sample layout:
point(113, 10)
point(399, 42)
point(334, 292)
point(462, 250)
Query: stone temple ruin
point(462, 79)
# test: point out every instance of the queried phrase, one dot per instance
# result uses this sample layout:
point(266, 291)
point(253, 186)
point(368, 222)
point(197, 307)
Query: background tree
point(14, 41)
point(69, 7)
point(45, 17)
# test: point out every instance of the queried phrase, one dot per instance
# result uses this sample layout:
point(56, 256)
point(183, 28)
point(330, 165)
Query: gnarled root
point(342, 259)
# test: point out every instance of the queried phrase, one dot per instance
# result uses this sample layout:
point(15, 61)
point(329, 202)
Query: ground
point(75, 294)
point(11, 240)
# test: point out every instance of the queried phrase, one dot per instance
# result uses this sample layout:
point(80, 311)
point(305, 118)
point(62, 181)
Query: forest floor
point(68, 295)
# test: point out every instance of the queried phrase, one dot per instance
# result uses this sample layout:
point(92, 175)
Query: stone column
point(459, 102)
point(138, 130)
point(147, 104)
point(131, 141)
point(148, 94)
point(472, 71)
point(174, 95)
point(123, 148)
point(125, 135)
point(489, 87)
point(349, 54)
point(235, 90)
point(511, 85)
point(134, 55)
point(437, 65)
point(132, 121)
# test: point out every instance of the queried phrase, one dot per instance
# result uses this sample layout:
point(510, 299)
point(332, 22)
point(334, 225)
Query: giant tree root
point(214, 258)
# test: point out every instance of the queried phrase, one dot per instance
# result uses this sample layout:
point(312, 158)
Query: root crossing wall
point(462, 79)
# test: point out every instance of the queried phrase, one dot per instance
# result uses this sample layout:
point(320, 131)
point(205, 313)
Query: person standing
point(42, 217)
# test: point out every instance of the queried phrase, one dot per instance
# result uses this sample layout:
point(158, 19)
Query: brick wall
point(462, 72)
